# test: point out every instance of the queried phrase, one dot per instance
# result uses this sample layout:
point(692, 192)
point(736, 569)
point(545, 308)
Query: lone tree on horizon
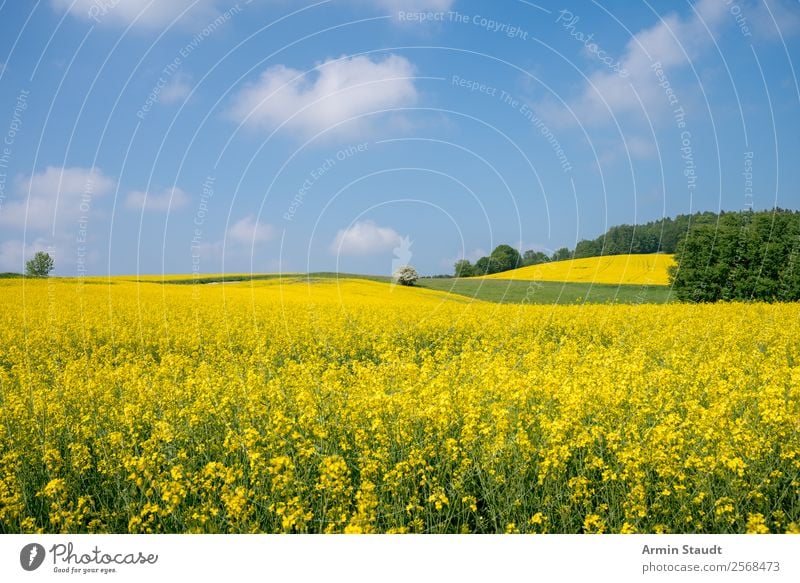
point(40, 266)
point(406, 275)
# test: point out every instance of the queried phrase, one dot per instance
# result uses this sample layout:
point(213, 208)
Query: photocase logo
point(31, 556)
point(402, 254)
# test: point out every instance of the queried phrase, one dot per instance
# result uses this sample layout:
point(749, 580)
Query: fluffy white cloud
point(144, 13)
point(156, 201)
point(249, 231)
point(54, 195)
point(336, 91)
point(365, 238)
point(673, 42)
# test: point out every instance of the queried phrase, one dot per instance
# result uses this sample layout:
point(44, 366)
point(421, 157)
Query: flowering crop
point(356, 406)
point(638, 269)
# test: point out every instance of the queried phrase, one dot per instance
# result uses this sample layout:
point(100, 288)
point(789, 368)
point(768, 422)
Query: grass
point(549, 292)
point(490, 290)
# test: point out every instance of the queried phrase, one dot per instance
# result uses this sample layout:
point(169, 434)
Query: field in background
point(618, 279)
point(242, 277)
point(549, 292)
point(355, 406)
point(650, 269)
point(482, 289)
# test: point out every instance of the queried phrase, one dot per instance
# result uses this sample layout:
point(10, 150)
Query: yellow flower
point(342, 405)
point(756, 524)
point(593, 524)
point(438, 499)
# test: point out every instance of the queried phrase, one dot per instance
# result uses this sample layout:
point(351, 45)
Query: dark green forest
point(744, 255)
point(661, 236)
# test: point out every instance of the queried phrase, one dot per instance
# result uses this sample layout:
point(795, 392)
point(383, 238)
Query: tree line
point(659, 236)
point(741, 255)
point(504, 258)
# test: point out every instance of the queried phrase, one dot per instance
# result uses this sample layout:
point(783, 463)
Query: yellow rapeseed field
point(647, 269)
point(355, 407)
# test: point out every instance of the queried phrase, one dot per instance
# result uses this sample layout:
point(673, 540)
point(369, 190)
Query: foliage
point(660, 236)
point(745, 256)
point(485, 266)
point(406, 275)
point(503, 258)
point(40, 266)
point(561, 254)
point(531, 257)
point(463, 268)
point(506, 257)
point(297, 405)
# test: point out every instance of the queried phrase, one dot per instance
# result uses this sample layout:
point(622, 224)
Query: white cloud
point(53, 195)
point(365, 238)
point(249, 231)
point(672, 42)
point(338, 89)
point(144, 13)
point(176, 90)
point(156, 201)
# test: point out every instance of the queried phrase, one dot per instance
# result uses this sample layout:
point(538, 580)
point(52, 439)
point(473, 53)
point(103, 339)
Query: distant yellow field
point(650, 269)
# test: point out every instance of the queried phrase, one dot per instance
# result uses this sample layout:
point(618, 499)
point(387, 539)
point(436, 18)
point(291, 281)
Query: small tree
point(463, 268)
point(406, 275)
point(505, 257)
point(40, 266)
point(486, 266)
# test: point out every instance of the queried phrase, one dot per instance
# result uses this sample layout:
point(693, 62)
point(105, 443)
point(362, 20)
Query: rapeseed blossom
point(354, 406)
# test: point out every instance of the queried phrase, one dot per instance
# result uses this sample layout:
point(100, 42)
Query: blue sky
point(208, 136)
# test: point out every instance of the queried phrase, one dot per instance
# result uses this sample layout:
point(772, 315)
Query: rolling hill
point(647, 269)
